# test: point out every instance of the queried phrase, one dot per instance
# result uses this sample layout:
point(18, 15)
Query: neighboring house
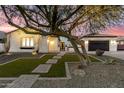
point(22, 42)
point(2, 41)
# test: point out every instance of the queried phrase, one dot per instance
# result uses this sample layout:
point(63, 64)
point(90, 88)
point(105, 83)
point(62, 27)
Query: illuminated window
point(27, 42)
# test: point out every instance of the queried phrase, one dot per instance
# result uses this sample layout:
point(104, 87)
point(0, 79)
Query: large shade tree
point(72, 22)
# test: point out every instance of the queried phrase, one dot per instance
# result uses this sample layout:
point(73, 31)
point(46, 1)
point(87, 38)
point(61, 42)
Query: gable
point(21, 31)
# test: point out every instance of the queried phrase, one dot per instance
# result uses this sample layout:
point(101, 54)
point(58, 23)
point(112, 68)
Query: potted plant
point(99, 52)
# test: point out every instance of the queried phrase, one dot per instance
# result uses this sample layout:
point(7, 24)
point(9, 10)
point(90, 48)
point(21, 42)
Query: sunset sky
point(117, 30)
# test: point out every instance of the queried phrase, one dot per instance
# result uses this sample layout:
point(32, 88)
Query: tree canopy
point(48, 20)
point(68, 21)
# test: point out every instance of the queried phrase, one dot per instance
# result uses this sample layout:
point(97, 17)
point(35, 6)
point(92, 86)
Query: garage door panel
point(93, 45)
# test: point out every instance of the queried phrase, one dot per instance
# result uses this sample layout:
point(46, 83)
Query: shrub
point(99, 52)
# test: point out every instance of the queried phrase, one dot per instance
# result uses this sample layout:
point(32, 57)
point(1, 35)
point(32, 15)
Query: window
point(2, 40)
point(27, 42)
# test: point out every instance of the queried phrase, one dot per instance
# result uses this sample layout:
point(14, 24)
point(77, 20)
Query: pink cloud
point(117, 30)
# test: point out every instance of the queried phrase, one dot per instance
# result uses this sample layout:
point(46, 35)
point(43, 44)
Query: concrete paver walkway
point(43, 68)
point(57, 57)
point(52, 61)
point(61, 54)
point(24, 81)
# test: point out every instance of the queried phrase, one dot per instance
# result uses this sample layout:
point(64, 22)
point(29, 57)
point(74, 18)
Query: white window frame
point(27, 42)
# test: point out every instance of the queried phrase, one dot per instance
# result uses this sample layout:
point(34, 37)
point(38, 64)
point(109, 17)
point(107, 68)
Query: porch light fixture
point(113, 42)
point(47, 40)
point(52, 42)
point(86, 42)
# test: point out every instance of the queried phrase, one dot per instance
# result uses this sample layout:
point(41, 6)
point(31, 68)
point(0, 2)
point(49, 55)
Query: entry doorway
point(62, 46)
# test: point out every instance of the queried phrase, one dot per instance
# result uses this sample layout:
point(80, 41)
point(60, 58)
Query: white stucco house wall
point(22, 42)
point(2, 44)
point(105, 42)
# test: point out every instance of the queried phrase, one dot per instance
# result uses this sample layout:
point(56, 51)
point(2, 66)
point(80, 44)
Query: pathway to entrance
point(26, 81)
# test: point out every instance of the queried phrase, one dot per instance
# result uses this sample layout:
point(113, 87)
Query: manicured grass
point(58, 70)
point(26, 66)
point(21, 66)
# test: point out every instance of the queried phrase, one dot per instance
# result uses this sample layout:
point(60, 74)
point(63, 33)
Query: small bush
point(99, 52)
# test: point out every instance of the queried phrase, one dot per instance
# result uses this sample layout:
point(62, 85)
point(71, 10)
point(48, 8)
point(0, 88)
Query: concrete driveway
point(119, 54)
point(5, 58)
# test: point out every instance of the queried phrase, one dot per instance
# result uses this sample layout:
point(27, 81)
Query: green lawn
point(21, 66)
point(58, 70)
point(26, 66)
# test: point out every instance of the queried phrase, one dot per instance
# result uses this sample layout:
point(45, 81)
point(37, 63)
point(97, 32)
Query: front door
point(62, 46)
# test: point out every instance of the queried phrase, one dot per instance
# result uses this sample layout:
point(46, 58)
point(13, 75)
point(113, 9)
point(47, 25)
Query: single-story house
point(19, 41)
point(101, 41)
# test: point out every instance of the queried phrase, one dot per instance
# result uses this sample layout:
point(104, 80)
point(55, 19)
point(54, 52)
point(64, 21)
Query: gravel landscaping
point(4, 83)
point(97, 76)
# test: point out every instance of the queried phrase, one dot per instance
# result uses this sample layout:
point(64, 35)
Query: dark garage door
point(93, 45)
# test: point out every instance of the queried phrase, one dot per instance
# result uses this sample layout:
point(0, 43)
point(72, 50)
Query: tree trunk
point(80, 42)
point(82, 59)
point(85, 53)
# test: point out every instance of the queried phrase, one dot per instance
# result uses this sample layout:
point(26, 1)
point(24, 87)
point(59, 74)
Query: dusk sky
point(117, 30)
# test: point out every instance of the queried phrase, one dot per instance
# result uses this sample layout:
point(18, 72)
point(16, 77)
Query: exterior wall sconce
point(86, 42)
point(52, 42)
point(47, 40)
point(113, 42)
